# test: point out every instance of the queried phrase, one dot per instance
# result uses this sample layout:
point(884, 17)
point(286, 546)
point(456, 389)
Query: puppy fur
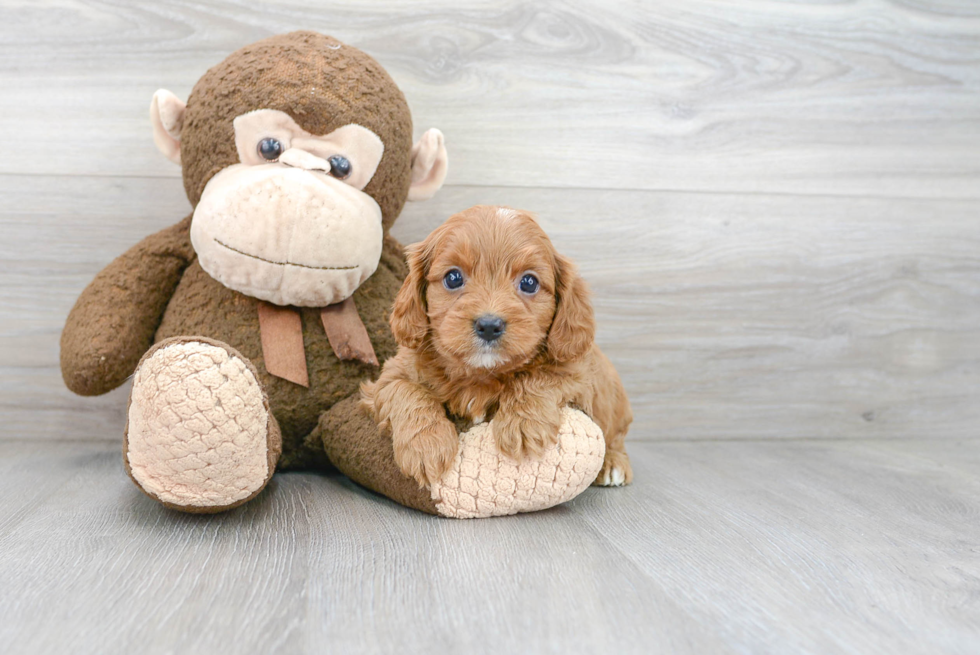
point(545, 359)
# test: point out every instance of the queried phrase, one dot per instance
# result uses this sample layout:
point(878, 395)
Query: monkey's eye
point(340, 167)
point(453, 279)
point(270, 148)
point(529, 284)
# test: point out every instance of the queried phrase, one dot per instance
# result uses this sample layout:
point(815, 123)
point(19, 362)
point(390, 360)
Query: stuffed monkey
point(249, 325)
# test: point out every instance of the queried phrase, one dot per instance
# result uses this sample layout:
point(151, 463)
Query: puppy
point(492, 323)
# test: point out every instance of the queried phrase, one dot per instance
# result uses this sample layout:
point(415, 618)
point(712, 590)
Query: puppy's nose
point(489, 327)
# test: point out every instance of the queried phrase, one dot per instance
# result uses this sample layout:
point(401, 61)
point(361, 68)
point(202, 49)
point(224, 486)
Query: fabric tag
point(346, 332)
point(281, 330)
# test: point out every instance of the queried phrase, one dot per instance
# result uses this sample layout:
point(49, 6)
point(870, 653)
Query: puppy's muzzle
point(489, 328)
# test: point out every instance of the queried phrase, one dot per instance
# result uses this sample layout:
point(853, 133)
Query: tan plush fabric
point(430, 165)
point(167, 118)
point(198, 430)
point(484, 483)
point(362, 147)
point(278, 234)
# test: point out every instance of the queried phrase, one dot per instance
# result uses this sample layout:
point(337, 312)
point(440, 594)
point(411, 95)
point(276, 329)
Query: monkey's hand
point(115, 319)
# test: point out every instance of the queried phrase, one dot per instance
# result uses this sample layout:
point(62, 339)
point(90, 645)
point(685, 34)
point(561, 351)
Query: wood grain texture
point(775, 204)
point(855, 98)
point(728, 316)
point(803, 547)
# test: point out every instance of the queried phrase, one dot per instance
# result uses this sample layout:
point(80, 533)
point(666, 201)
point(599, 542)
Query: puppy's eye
point(270, 148)
point(453, 279)
point(529, 284)
point(340, 167)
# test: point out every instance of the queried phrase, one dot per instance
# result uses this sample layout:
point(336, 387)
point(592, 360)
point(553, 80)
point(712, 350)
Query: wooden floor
point(777, 205)
point(800, 546)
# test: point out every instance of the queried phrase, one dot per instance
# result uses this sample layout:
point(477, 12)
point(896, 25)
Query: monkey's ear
point(430, 163)
point(167, 117)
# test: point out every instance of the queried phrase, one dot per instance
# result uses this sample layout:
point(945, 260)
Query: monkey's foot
point(199, 436)
point(483, 482)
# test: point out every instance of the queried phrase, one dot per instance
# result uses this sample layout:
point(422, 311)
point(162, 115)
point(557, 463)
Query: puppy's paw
point(519, 436)
point(616, 470)
point(427, 454)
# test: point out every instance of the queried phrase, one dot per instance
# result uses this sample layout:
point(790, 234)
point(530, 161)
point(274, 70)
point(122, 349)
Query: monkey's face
point(292, 200)
point(290, 224)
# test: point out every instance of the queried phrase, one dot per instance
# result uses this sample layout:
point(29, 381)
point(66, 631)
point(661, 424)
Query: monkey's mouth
point(272, 261)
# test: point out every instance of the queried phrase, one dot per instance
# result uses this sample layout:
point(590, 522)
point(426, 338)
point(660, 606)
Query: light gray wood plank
point(787, 291)
point(539, 584)
point(313, 565)
point(808, 547)
point(142, 578)
point(729, 316)
point(805, 547)
point(839, 98)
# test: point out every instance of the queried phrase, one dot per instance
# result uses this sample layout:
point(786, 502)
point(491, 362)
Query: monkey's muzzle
point(287, 235)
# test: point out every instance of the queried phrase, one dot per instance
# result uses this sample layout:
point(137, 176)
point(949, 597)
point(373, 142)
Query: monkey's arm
point(481, 482)
point(424, 440)
point(114, 320)
point(364, 453)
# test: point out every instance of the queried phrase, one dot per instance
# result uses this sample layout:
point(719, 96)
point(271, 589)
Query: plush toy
point(248, 325)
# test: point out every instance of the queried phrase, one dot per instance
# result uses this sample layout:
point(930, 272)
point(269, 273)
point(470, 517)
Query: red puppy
point(493, 323)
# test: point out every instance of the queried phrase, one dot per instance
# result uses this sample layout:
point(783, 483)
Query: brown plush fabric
point(202, 306)
point(157, 290)
point(364, 454)
point(113, 322)
point(321, 86)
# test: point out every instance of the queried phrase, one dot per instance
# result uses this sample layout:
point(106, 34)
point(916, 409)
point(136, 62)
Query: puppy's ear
point(573, 328)
point(409, 322)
